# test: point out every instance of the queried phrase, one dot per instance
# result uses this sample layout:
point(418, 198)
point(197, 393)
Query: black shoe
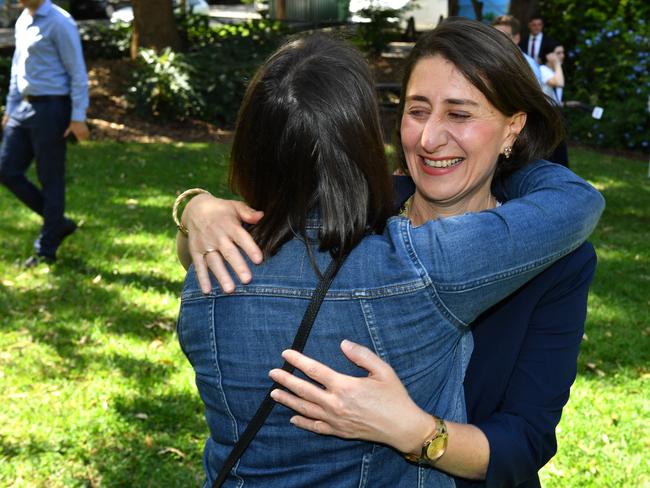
point(69, 227)
point(37, 259)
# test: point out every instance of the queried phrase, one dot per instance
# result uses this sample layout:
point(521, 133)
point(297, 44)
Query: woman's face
point(451, 134)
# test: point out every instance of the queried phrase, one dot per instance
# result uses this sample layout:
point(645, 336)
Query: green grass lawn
point(95, 390)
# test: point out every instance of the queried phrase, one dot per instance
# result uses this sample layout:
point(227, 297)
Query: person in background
point(535, 41)
point(553, 86)
point(46, 103)
point(552, 73)
point(511, 27)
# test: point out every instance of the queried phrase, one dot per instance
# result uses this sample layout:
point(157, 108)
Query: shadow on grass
point(161, 449)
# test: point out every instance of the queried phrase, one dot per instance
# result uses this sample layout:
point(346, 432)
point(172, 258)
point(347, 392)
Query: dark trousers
point(35, 132)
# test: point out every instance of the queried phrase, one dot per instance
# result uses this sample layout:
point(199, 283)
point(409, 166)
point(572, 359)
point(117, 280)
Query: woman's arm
point(506, 447)
point(374, 408)
point(475, 260)
point(521, 432)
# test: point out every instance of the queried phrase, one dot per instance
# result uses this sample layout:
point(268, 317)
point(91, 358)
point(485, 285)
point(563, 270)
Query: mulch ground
point(109, 117)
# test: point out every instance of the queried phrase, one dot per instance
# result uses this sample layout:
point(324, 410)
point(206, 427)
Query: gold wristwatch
point(434, 447)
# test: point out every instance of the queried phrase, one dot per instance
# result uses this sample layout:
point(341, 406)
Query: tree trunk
point(453, 8)
point(523, 10)
point(154, 26)
point(478, 9)
point(280, 10)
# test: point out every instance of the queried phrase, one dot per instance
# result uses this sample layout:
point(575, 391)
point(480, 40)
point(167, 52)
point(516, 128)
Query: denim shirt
point(408, 294)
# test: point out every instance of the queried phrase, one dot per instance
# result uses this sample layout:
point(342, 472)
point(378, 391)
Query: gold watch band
point(434, 447)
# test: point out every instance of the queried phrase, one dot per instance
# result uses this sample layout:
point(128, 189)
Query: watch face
point(437, 447)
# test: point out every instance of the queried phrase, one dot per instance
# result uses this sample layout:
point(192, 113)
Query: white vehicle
point(198, 7)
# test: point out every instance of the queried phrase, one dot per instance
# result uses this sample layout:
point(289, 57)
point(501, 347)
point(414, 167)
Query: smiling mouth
point(443, 163)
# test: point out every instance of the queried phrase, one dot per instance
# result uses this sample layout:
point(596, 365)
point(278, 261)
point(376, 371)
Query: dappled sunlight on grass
point(604, 434)
point(97, 391)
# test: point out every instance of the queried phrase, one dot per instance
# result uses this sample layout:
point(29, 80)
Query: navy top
point(523, 365)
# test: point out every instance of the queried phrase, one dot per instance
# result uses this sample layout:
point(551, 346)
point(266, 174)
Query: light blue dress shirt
point(535, 67)
point(48, 59)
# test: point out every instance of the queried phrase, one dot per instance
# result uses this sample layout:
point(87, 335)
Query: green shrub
point(162, 86)
point(209, 80)
point(608, 49)
point(105, 41)
point(382, 27)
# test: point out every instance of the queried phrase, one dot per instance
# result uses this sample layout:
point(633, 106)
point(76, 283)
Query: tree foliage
point(608, 64)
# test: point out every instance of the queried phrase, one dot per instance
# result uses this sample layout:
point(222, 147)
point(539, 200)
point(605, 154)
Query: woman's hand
point(551, 59)
point(216, 234)
point(374, 408)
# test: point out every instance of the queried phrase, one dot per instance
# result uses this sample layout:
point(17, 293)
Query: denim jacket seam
point(352, 294)
point(369, 319)
point(424, 275)
point(222, 392)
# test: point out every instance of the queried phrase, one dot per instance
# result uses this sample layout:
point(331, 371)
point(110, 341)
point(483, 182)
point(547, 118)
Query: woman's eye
point(459, 115)
point(418, 113)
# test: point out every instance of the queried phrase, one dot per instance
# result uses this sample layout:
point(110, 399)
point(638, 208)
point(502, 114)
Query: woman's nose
point(434, 135)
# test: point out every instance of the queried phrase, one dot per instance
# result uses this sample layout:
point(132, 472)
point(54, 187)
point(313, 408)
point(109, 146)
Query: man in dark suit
point(535, 41)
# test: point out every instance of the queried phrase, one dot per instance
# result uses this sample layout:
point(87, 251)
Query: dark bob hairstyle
point(308, 140)
point(495, 66)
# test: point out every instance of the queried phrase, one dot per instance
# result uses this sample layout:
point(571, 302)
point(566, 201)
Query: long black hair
point(308, 139)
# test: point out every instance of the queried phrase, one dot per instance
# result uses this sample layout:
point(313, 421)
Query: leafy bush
point(382, 27)
point(607, 45)
point(105, 41)
point(210, 79)
point(162, 86)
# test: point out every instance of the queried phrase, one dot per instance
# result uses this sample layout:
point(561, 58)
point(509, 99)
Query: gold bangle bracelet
point(186, 195)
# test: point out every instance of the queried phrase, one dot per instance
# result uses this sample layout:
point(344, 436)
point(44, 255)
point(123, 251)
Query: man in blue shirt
point(510, 26)
point(46, 104)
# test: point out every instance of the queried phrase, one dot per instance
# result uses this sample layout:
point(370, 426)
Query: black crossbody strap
point(298, 345)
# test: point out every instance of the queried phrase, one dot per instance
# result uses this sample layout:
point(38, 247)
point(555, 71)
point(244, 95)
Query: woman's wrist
point(187, 195)
point(420, 431)
point(193, 210)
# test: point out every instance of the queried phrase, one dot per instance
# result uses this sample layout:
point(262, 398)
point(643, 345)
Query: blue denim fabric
point(407, 294)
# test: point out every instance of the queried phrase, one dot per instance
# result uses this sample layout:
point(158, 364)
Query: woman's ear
point(515, 126)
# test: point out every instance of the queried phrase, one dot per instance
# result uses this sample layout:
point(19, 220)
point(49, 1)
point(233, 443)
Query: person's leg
point(50, 122)
point(16, 155)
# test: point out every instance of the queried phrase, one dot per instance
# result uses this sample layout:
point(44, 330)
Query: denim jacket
point(408, 294)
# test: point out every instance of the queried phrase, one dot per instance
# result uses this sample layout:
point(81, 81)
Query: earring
point(507, 152)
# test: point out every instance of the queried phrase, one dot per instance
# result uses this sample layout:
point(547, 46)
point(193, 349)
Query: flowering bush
point(608, 64)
